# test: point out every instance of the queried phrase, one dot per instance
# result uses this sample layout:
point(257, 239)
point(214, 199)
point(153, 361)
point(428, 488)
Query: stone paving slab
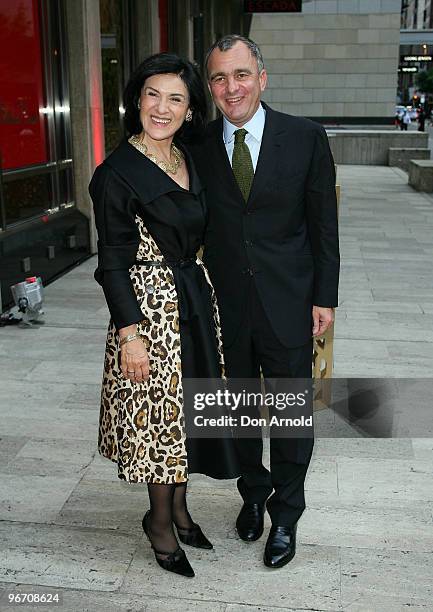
point(424, 445)
point(54, 555)
point(244, 608)
point(99, 601)
point(67, 371)
point(355, 525)
point(407, 479)
point(365, 541)
point(50, 457)
point(399, 578)
point(313, 581)
point(83, 396)
point(9, 447)
point(34, 498)
point(373, 448)
point(354, 307)
point(73, 425)
point(32, 409)
point(16, 369)
point(122, 508)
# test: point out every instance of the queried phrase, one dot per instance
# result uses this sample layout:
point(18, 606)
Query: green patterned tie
point(242, 164)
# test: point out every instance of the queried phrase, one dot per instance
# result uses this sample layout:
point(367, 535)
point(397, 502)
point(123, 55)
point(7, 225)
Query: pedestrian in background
point(421, 120)
point(405, 120)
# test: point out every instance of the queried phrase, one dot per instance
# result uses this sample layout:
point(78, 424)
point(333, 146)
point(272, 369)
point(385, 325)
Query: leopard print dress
point(146, 223)
point(142, 425)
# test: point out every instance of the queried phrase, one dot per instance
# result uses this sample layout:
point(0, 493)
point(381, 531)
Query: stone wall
point(371, 147)
point(337, 59)
point(401, 157)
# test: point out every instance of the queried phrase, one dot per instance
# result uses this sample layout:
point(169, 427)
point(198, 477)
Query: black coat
point(285, 237)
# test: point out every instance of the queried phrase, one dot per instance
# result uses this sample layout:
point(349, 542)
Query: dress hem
point(178, 481)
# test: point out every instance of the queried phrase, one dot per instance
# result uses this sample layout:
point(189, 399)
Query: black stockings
point(181, 516)
point(159, 524)
point(167, 505)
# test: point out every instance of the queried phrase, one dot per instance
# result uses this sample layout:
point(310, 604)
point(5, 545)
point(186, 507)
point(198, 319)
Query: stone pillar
point(86, 101)
point(147, 29)
point(180, 28)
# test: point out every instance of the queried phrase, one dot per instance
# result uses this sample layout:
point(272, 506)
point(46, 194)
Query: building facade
point(416, 15)
point(65, 64)
point(416, 50)
point(335, 62)
point(39, 223)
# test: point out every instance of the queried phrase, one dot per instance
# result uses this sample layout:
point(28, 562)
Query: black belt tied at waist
point(172, 263)
point(184, 305)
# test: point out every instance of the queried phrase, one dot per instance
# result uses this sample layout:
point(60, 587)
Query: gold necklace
point(171, 167)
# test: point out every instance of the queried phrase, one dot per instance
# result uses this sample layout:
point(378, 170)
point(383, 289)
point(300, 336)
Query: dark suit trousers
point(257, 347)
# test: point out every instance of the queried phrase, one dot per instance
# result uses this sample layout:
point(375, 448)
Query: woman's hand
point(134, 360)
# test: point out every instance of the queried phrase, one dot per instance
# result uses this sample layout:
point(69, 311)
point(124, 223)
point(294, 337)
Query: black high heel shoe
point(175, 562)
point(193, 536)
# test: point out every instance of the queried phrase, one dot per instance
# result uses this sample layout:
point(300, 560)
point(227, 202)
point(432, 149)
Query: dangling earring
point(138, 105)
point(189, 115)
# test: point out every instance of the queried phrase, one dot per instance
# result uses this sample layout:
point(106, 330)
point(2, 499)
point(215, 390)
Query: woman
point(150, 217)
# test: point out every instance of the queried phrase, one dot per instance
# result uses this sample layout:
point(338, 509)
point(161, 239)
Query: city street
point(69, 526)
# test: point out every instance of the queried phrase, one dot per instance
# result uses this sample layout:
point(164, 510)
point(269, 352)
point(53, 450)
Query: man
point(405, 120)
point(271, 248)
point(421, 120)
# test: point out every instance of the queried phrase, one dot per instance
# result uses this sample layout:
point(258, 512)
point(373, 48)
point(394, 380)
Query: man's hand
point(322, 319)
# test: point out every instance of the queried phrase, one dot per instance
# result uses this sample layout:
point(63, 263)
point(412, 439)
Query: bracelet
point(129, 338)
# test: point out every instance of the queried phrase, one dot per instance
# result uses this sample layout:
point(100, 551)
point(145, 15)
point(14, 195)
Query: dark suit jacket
point(285, 238)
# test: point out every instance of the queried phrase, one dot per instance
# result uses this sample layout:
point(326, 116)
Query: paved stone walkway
point(384, 324)
point(366, 540)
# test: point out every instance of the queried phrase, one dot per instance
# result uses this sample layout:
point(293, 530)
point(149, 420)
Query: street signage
point(273, 6)
point(417, 58)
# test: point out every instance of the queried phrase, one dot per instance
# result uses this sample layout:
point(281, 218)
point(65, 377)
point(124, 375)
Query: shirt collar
point(254, 126)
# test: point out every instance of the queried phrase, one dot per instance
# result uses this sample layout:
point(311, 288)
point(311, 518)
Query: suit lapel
point(268, 156)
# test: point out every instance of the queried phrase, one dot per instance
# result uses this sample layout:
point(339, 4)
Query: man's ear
point(263, 79)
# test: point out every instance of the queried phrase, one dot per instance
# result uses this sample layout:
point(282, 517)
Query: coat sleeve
point(321, 210)
point(118, 240)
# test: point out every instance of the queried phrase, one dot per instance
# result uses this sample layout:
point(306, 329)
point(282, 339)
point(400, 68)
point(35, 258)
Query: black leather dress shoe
point(281, 546)
point(249, 523)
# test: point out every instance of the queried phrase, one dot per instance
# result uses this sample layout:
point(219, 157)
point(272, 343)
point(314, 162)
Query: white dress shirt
point(253, 139)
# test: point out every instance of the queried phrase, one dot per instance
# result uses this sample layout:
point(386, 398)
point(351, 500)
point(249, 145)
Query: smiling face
point(235, 83)
point(164, 102)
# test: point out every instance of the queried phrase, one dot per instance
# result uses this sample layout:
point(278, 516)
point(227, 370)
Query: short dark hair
point(166, 63)
point(227, 42)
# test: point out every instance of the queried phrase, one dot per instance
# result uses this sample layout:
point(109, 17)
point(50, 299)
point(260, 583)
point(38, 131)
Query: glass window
point(27, 196)
point(34, 111)
point(23, 127)
point(65, 187)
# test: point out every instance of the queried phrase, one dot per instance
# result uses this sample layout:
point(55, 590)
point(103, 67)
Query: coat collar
point(144, 177)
